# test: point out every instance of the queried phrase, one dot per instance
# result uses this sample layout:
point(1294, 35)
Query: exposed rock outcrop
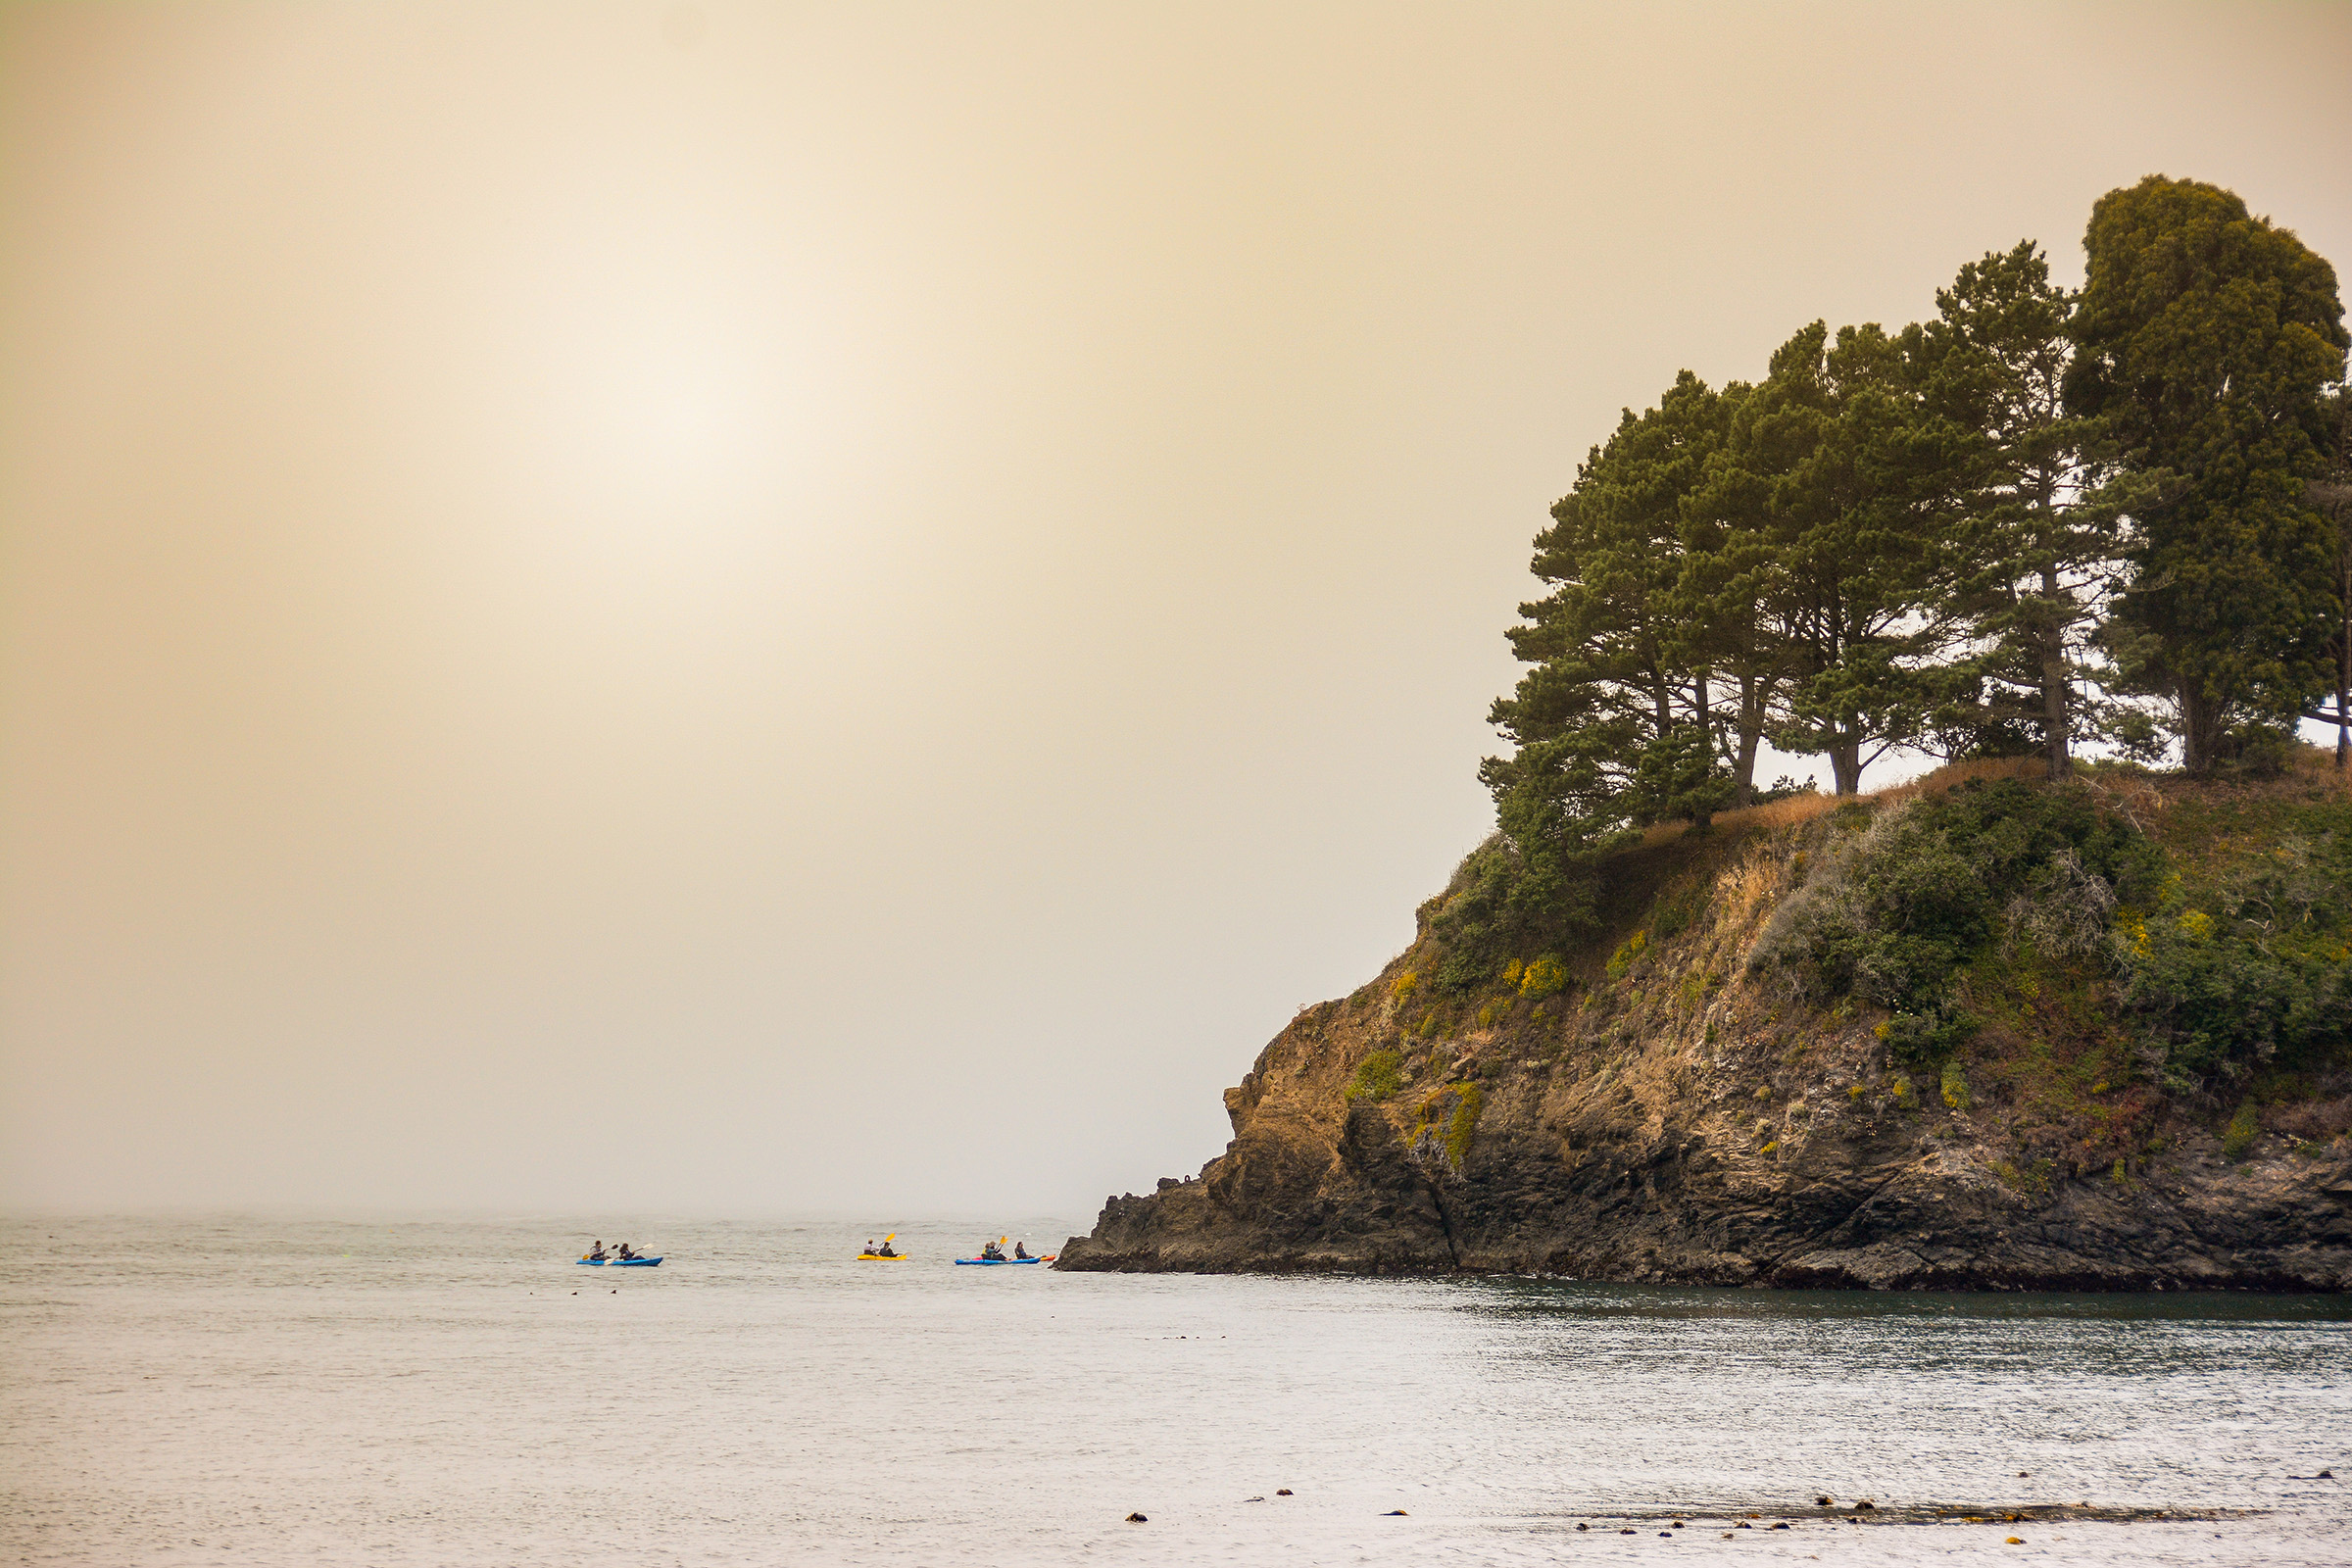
point(1672, 1115)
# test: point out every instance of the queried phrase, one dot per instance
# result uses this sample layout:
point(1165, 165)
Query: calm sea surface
point(372, 1391)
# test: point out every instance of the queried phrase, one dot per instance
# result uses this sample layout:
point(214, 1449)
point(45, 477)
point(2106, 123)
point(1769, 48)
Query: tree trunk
point(2054, 713)
point(2056, 721)
point(1752, 735)
point(1661, 697)
point(2200, 729)
point(1700, 708)
point(2340, 716)
point(2343, 701)
point(1845, 761)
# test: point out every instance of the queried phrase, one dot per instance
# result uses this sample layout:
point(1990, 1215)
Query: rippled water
point(269, 1390)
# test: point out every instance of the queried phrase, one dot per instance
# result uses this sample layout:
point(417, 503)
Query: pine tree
point(2030, 559)
point(1856, 475)
point(1612, 726)
point(1722, 604)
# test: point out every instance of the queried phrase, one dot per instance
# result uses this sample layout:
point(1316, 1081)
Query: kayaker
point(884, 1251)
point(1020, 1250)
point(598, 1254)
point(993, 1252)
point(625, 1250)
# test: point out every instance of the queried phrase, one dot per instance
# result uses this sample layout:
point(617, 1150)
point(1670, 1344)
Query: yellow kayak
point(881, 1257)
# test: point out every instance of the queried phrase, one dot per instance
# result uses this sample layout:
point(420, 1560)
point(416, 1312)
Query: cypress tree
point(2330, 495)
point(2204, 338)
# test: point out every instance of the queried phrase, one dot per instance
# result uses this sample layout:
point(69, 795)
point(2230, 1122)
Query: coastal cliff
point(1701, 1090)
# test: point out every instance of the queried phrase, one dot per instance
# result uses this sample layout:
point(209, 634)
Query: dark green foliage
point(1915, 896)
point(1676, 907)
point(1377, 1077)
point(1906, 539)
point(1502, 903)
point(1927, 1036)
point(2329, 493)
point(1858, 476)
point(2230, 973)
point(2237, 1139)
point(2205, 337)
point(2221, 973)
point(1614, 725)
point(2026, 553)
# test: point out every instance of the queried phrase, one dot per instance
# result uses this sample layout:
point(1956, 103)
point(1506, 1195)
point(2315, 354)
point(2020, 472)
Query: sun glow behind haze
point(845, 608)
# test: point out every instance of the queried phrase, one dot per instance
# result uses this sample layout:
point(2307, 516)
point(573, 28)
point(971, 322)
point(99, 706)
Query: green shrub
point(1543, 977)
point(1916, 1037)
point(1677, 910)
point(1500, 901)
point(2263, 751)
point(1626, 956)
point(2034, 1179)
point(1467, 1106)
point(2237, 1139)
point(1378, 1076)
point(2249, 966)
point(1908, 901)
point(1955, 1085)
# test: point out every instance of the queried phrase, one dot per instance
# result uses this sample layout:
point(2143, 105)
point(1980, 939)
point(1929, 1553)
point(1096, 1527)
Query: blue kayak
point(622, 1262)
point(991, 1262)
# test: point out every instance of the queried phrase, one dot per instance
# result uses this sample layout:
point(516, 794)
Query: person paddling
point(625, 1252)
point(993, 1253)
point(597, 1254)
point(1020, 1250)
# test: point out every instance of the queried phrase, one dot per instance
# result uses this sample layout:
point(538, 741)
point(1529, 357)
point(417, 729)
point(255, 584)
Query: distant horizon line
point(356, 1213)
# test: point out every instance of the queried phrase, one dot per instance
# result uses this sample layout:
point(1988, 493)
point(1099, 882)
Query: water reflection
point(435, 1392)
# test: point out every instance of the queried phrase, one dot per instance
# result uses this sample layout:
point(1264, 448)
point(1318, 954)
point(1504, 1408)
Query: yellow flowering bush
point(1625, 958)
point(1543, 977)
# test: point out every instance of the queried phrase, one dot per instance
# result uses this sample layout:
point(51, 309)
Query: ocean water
point(277, 1391)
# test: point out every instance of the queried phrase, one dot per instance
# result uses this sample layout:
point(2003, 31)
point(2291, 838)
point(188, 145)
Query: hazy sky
point(845, 608)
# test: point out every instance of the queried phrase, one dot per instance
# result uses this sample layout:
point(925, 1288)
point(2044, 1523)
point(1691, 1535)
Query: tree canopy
point(2036, 518)
point(2205, 338)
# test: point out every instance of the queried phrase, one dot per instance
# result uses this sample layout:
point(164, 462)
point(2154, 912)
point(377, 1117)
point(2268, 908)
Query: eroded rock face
point(1686, 1122)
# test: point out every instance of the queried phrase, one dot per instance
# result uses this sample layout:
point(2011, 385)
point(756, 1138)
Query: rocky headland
point(1688, 1095)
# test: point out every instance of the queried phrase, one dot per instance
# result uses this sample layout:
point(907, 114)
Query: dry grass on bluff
point(2092, 958)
